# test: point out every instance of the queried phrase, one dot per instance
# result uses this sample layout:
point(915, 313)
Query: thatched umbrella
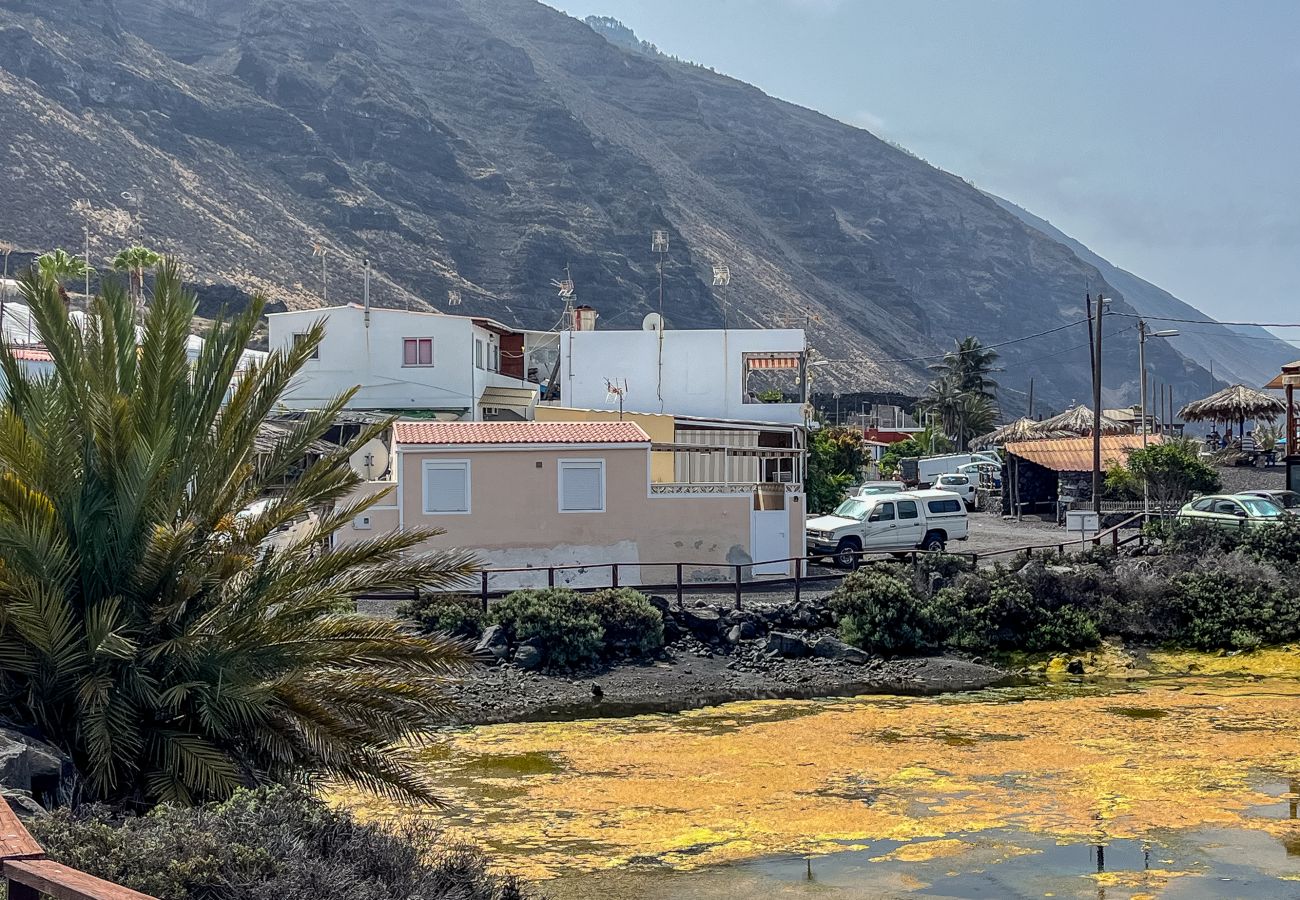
point(1234, 404)
point(1078, 421)
point(1025, 429)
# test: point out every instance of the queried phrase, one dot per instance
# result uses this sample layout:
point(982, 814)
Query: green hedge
point(452, 614)
point(575, 629)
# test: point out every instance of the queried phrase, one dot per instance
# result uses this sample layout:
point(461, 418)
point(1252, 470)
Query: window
point(417, 351)
point(884, 513)
point(582, 485)
point(1227, 508)
point(907, 509)
point(299, 337)
point(1203, 505)
point(943, 506)
point(446, 487)
point(478, 353)
point(954, 479)
point(494, 358)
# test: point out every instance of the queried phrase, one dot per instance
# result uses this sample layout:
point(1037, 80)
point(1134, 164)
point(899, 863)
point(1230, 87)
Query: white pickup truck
point(911, 520)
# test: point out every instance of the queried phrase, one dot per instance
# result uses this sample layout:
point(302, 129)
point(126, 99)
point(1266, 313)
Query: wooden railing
point(28, 874)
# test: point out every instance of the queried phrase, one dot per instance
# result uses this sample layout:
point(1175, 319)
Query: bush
point(268, 843)
point(1232, 602)
point(560, 620)
point(1278, 543)
point(456, 615)
point(879, 613)
point(996, 610)
point(629, 620)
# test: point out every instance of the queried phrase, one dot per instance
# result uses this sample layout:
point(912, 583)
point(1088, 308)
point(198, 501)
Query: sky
point(1164, 134)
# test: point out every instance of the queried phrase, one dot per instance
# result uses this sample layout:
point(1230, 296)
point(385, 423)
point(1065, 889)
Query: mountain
point(1240, 354)
point(482, 146)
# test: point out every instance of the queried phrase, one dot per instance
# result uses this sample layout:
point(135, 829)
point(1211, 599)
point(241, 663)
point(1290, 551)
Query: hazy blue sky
point(1164, 134)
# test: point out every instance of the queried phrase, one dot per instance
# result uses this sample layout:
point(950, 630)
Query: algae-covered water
point(1179, 787)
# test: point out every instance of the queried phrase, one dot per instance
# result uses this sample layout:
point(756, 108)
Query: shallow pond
point(1179, 788)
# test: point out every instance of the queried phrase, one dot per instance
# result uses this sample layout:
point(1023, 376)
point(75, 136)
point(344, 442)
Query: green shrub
point(1232, 607)
point(268, 843)
point(996, 610)
point(629, 620)
point(879, 613)
point(1278, 544)
point(561, 620)
point(456, 615)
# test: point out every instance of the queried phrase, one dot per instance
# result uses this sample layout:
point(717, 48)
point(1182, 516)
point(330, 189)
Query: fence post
point(798, 578)
point(613, 575)
point(550, 576)
point(739, 570)
point(679, 585)
point(484, 589)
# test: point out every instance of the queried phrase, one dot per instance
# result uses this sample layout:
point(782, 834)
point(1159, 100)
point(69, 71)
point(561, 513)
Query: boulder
point(748, 631)
point(782, 643)
point(705, 624)
point(733, 636)
point(35, 769)
point(529, 655)
point(830, 647)
point(672, 631)
point(494, 645)
point(660, 603)
point(1075, 667)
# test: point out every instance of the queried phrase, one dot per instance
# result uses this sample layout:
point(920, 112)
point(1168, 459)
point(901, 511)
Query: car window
point(1226, 508)
point(1259, 507)
point(1287, 499)
point(943, 506)
point(852, 509)
point(907, 509)
point(1203, 505)
point(954, 479)
point(884, 513)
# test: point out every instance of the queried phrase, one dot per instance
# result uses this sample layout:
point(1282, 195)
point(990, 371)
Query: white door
point(769, 538)
point(880, 531)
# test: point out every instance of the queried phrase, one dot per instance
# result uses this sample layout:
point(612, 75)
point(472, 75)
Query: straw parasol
point(1078, 421)
point(1234, 404)
point(1025, 429)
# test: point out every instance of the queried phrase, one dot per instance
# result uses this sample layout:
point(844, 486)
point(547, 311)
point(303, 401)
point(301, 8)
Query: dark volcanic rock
point(784, 644)
point(484, 145)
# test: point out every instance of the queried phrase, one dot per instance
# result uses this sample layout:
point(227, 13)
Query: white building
point(738, 374)
point(456, 367)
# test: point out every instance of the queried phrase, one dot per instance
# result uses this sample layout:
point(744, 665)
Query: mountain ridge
point(482, 146)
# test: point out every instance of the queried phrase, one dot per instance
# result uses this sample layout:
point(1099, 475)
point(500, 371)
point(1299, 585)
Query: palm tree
point(970, 365)
point(145, 629)
point(61, 266)
point(134, 261)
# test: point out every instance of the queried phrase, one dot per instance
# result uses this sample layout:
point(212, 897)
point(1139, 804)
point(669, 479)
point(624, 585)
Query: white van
point(911, 520)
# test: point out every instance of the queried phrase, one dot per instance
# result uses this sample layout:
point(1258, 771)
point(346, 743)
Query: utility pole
point(1096, 409)
point(1031, 397)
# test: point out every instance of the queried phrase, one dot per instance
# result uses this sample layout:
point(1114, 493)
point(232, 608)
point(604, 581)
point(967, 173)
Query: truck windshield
point(853, 509)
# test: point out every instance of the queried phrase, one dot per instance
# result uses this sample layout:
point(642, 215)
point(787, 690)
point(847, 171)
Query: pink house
point(540, 494)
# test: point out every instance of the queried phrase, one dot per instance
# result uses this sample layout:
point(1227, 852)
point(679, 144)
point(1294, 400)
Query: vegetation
point(60, 266)
point(268, 843)
point(879, 612)
point(455, 615)
point(962, 393)
point(572, 630)
point(1172, 472)
point(144, 628)
point(134, 262)
point(921, 444)
point(836, 457)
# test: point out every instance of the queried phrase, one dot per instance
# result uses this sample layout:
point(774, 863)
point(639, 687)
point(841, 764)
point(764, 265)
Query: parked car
point(872, 488)
point(1231, 511)
point(1288, 500)
point(977, 470)
point(963, 485)
point(909, 520)
point(925, 470)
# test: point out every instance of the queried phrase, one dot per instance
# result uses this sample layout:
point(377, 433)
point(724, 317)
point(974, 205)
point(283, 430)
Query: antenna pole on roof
point(366, 289)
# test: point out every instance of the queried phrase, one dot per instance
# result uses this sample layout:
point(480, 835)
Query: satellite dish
point(371, 461)
point(652, 322)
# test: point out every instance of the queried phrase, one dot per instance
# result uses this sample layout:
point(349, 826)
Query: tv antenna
point(453, 297)
point(320, 251)
point(568, 293)
point(616, 390)
point(722, 278)
point(659, 244)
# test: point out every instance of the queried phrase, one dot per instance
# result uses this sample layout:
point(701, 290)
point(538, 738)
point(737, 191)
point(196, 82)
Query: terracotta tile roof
point(31, 354)
point(1075, 454)
point(519, 433)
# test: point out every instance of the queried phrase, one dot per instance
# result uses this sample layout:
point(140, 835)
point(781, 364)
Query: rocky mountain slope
point(1249, 355)
point(483, 145)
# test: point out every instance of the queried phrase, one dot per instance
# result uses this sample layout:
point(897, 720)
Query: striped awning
point(773, 361)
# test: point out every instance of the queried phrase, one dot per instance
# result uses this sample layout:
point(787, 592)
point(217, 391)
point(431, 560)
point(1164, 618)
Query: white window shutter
point(582, 486)
point(446, 487)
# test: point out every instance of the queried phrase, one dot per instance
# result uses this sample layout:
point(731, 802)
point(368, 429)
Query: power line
point(1207, 321)
point(980, 348)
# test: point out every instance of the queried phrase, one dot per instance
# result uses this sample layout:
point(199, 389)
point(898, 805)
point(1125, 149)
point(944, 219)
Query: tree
point(969, 366)
point(61, 266)
point(134, 261)
point(1172, 471)
point(835, 459)
point(145, 628)
point(962, 393)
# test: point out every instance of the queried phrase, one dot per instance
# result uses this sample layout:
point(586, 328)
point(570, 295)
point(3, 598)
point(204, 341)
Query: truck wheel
point(846, 554)
point(933, 543)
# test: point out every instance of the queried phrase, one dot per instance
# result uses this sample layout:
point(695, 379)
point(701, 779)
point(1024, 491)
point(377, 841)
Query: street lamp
point(1143, 334)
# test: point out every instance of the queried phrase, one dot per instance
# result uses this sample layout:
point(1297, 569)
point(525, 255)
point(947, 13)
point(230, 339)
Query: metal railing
point(28, 874)
point(735, 582)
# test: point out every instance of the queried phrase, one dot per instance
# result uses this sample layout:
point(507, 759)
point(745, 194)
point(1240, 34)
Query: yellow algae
point(757, 779)
point(925, 851)
point(1270, 662)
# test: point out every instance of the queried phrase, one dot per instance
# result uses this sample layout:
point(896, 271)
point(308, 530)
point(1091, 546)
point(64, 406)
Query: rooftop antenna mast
point(453, 297)
point(659, 244)
point(722, 278)
point(564, 287)
point(320, 251)
point(366, 290)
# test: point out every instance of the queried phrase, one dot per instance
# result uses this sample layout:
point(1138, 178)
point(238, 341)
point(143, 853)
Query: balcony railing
point(748, 487)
